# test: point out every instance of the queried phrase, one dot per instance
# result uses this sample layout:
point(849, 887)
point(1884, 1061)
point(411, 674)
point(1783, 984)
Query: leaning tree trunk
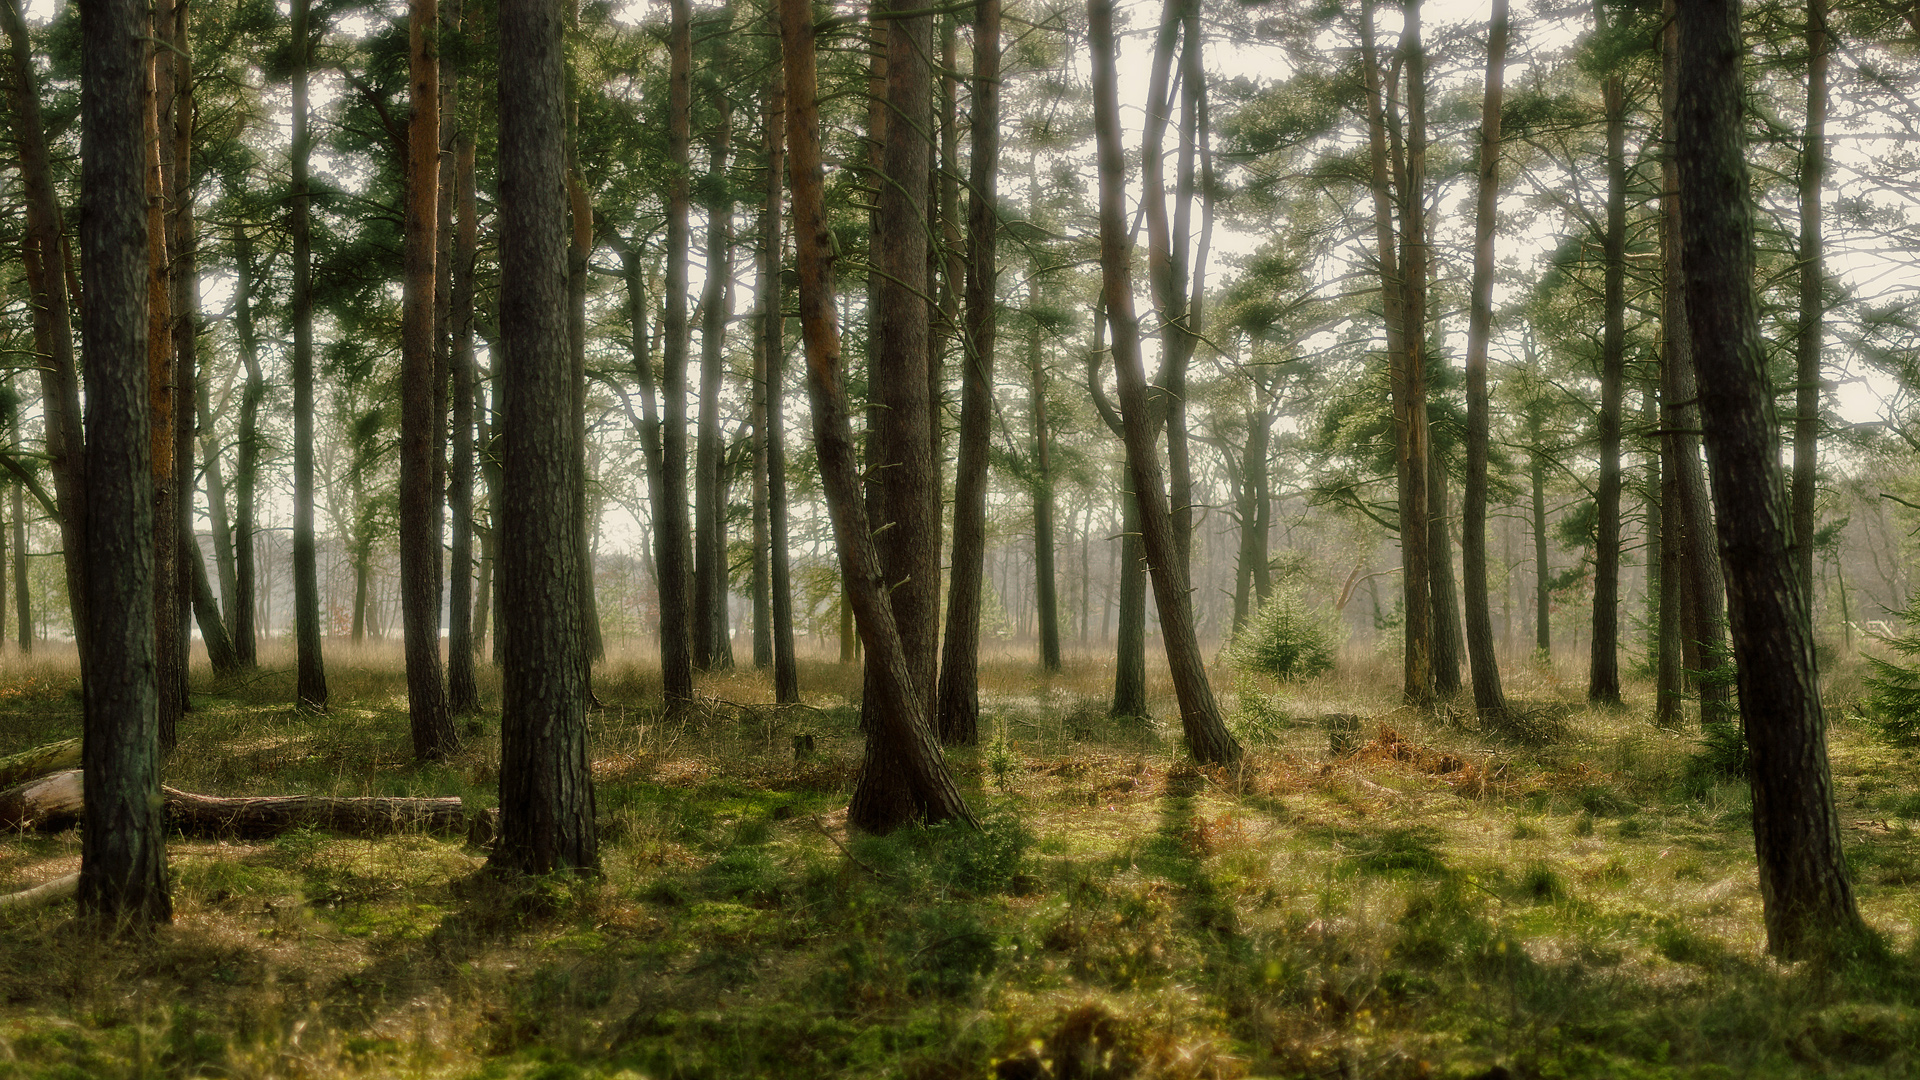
point(43, 257)
point(546, 788)
point(1488, 696)
point(123, 859)
point(1806, 899)
point(959, 691)
point(422, 413)
point(902, 712)
point(1207, 737)
point(1806, 343)
point(1603, 676)
point(311, 686)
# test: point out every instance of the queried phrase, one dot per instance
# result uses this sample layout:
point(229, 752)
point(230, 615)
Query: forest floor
point(1434, 900)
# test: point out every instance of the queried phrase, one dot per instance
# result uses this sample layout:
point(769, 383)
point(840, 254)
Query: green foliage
point(1893, 685)
point(1286, 639)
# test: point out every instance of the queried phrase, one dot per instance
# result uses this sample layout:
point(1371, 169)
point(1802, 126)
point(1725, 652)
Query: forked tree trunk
point(546, 788)
point(422, 416)
point(311, 687)
point(959, 692)
point(712, 643)
point(1207, 738)
point(43, 256)
point(1483, 662)
point(1805, 896)
point(123, 861)
point(902, 712)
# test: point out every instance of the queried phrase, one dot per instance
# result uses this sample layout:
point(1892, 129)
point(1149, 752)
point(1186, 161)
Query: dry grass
point(1426, 898)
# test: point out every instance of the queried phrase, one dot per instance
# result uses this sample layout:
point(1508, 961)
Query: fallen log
point(39, 761)
point(58, 889)
point(55, 802)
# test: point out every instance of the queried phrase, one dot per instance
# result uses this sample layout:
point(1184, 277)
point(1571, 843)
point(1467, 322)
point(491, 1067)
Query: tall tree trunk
point(1807, 336)
point(1414, 445)
point(311, 689)
point(959, 702)
point(1806, 899)
point(183, 283)
point(169, 634)
point(246, 470)
point(1207, 738)
point(44, 258)
point(772, 434)
point(546, 788)
point(1542, 573)
point(219, 524)
point(1703, 588)
point(22, 590)
point(123, 861)
point(1603, 676)
point(1130, 638)
point(712, 641)
point(422, 417)
point(206, 610)
point(670, 528)
point(1488, 696)
point(1449, 647)
point(903, 713)
point(586, 524)
point(901, 444)
point(1045, 594)
point(463, 692)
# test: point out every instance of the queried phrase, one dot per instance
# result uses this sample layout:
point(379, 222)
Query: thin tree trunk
point(1806, 899)
point(311, 690)
point(183, 282)
point(959, 702)
point(712, 645)
point(1045, 594)
point(246, 469)
point(206, 611)
point(168, 490)
point(219, 524)
point(123, 860)
point(1603, 676)
point(463, 692)
point(546, 788)
point(1542, 574)
point(903, 714)
point(1207, 738)
point(1130, 638)
point(44, 258)
point(1807, 336)
point(1449, 647)
point(422, 418)
point(670, 530)
point(586, 525)
point(1488, 696)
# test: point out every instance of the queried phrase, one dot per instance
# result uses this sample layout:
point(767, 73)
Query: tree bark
point(22, 593)
point(902, 711)
point(712, 641)
point(1542, 573)
point(546, 789)
point(44, 258)
point(123, 861)
point(1045, 594)
point(1603, 673)
point(670, 529)
point(311, 687)
point(169, 634)
point(1488, 695)
point(1812, 321)
point(463, 692)
point(1807, 901)
point(183, 285)
point(959, 691)
point(423, 414)
point(1207, 738)
point(206, 611)
point(246, 469)
point(1449, 646)
point(771, 436)
point(1130, 637)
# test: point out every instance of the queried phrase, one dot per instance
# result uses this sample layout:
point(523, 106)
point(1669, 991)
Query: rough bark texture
point(901, 713)
point(422, 414)
point(771, 459)
point(1488, 696)
point(1807, 901)
point(1207, 738)
point(712, 641)
point(311, 688)
point(169, 634)
point(183, 288)
point(246, 470)
point(44, 258)
point(463, 693)
point(546, 790)
point(959, 691)
point(1812, 322)
point(670, 529)
point(1603, 673)
point(123, 861)
point(1449, 645)
point(1130, 638)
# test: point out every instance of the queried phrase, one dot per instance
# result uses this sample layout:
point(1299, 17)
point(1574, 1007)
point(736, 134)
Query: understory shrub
point(1286, 639)
point(1893, 686)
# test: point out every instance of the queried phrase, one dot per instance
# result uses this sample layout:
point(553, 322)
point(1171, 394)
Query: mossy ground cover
point(1433, 900)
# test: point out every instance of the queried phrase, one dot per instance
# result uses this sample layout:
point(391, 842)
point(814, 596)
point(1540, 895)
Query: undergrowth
point(1378, 893)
